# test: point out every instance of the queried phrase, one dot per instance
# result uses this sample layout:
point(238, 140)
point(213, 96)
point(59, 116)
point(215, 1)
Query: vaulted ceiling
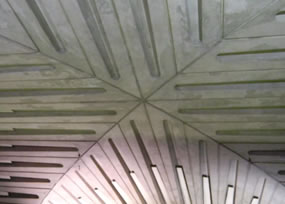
point(140, 101)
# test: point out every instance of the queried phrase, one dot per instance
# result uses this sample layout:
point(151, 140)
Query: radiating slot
point(49, 92)
point(269, 54)
point(121, 192)
point(230, 195)
point(200, 19)
point(255, 200)
point(252, 132)
point(4, 193)
point(87, 184)
point(104, 174)
point(203, 153)
point(183, 185)
point(56, 113)
point(234, 110)
point(91, 15)
point(146, 36)
point(147, 159)
point(126, 169)
point(139, 185)
point(25, 68)
point(18, 195)
point(160, 184)
point(281, 172)
point(29, 164)
point(249, 85)
point(207, 196)
point(30, 148)
point(278, 153)
point(47, 27)
point(174, 161)
point(102, 196)
point(16, 179)
point(280, 16)
point(22, 131)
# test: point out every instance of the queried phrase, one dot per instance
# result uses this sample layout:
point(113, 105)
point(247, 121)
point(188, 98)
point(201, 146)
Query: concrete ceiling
point(139, 101)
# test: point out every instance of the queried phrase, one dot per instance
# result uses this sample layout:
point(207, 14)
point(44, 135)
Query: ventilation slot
point(49, 92)
point(102, 196)
point(46, 26)
point(234, 110)
point(29, 164)
point(90, 12)
point(278, 153)
point(183, 190)
point(55, 113)
point(18, 195)
point(25, 68)
point(121, 192)
point(255, 54)
point(280, 16)
point(127, 171)
point(147, 159)
point(17, 131)
point(230, 195)
point(264, 132)
point(147, 39)
point(281, 172)
point(106, 177)
point(15, 179)
point(262, 84)
point(183, 185)
point(26, 148)
point(255, 200)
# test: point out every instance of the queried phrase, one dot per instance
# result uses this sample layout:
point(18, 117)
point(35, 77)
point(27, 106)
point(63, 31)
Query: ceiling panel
point(139, 101)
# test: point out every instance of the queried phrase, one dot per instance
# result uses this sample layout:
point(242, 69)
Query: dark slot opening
point(267, 153)
point(26, 148)
point(30, 164)
point(24, 180)
point(20, 195)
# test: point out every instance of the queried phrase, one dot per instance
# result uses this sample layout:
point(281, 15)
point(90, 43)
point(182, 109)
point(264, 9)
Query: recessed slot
point(230, 195)
point(47, 27)
point(25, 68)
point(16, 179)
point(139, 185)
point(55, 113)
point(146, 35)
point(252, 132)
point(49, 92)
point(91, 15)
point(183, 185)
point(160, 183)
point(234, 110)
point(18, 195)
point(30, 164)
point(279, 153)
point(102, 196)
point(207, 196)
point(255, 200)
point(104, 174)
point(249, 85)
point(18, 131)
point(126, 169)
point(280, 16)
point(281, 172)
point(146, 158)
point(121, 192)
point(269, 54)
point(29, 148)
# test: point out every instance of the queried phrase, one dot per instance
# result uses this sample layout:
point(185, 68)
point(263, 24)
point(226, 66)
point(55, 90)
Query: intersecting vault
point(139, 101)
